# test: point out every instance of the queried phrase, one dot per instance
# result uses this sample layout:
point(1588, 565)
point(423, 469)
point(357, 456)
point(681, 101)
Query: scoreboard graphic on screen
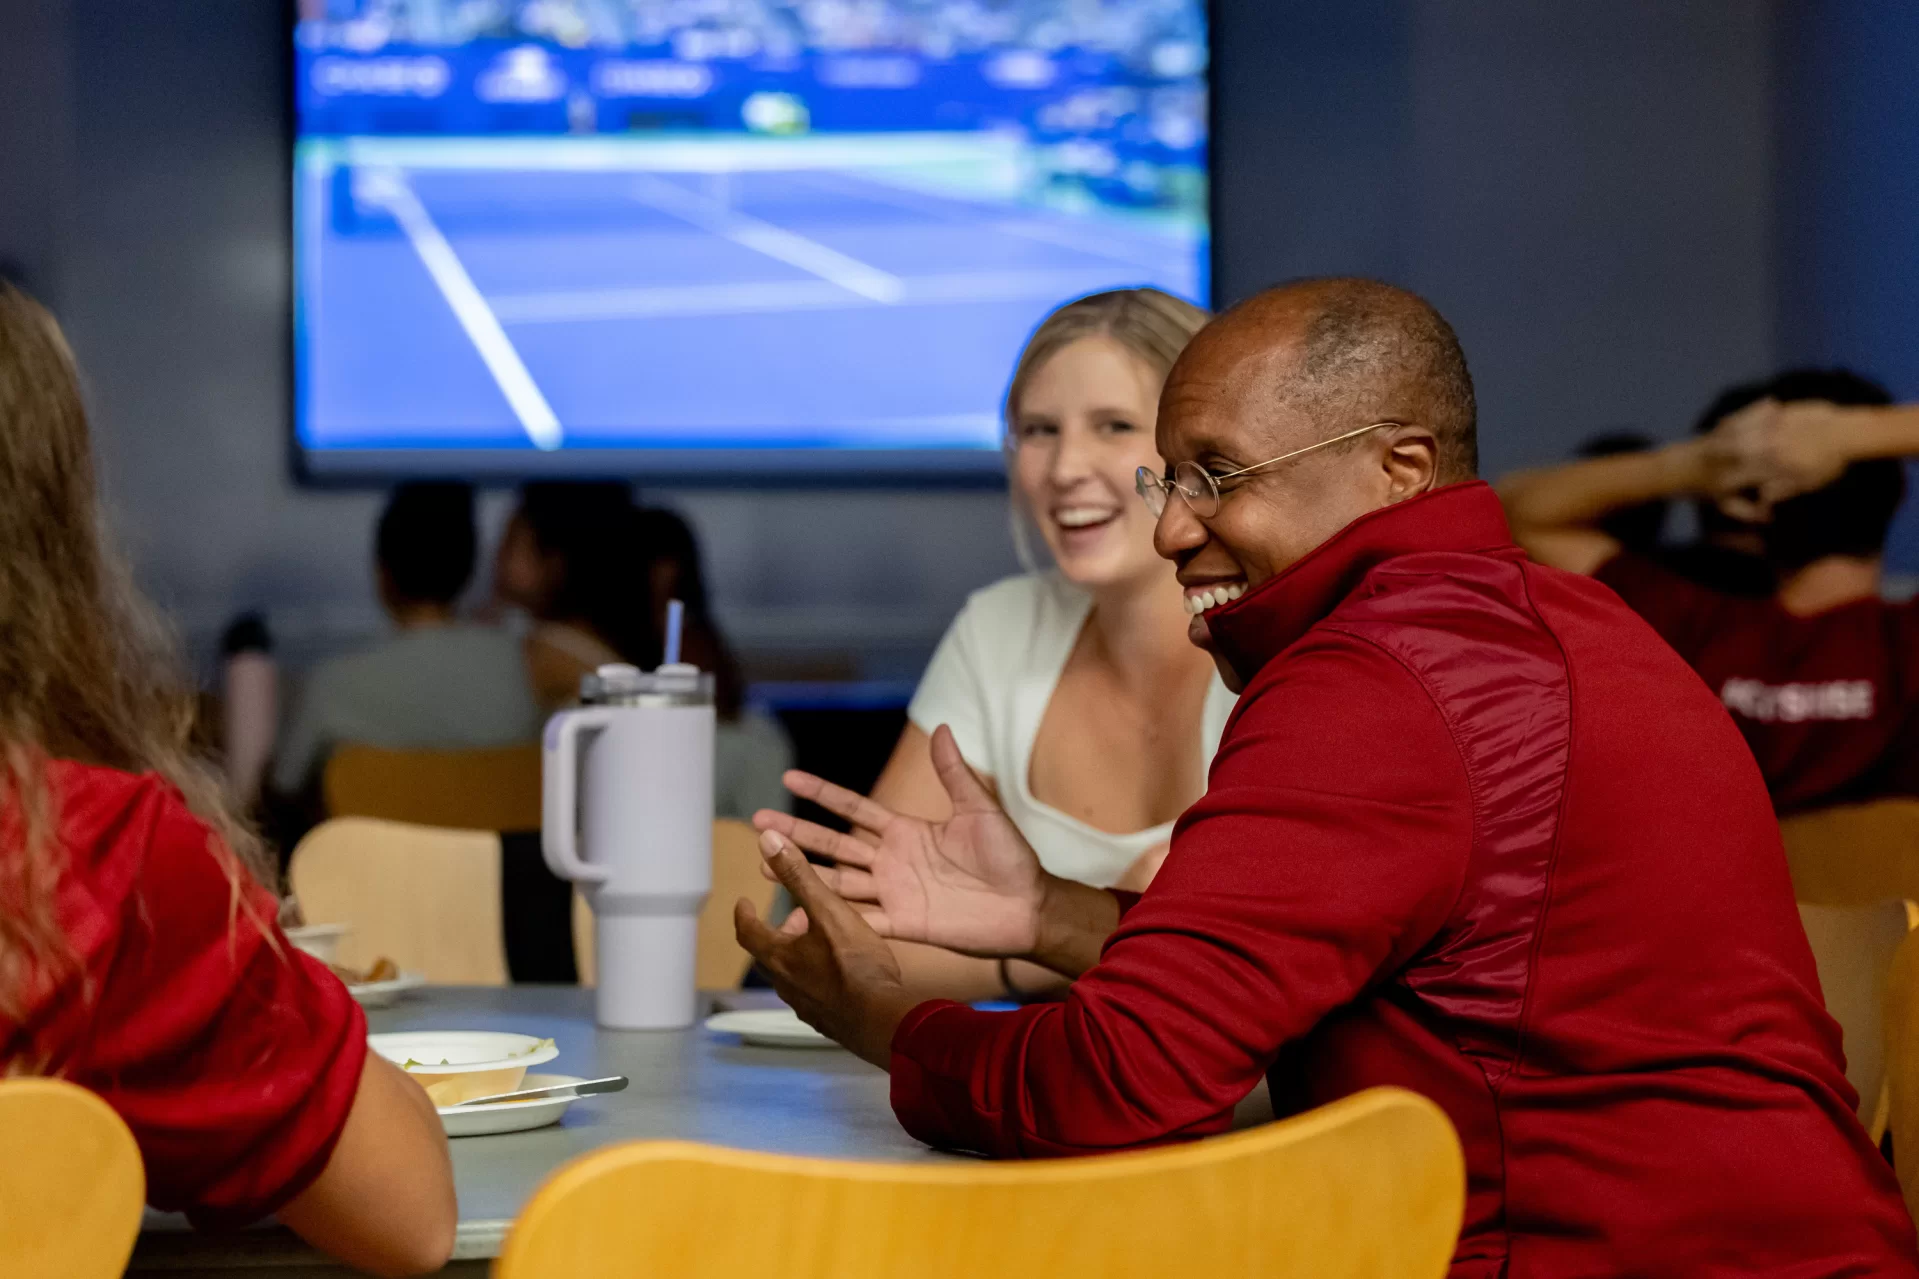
point(804, 237)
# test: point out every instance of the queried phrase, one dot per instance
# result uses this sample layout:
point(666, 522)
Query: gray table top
point(685, 1084)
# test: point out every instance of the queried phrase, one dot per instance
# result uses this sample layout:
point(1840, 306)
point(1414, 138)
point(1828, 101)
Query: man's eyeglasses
point(1199, 487)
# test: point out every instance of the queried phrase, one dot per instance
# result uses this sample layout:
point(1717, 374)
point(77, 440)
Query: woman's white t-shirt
point(990, 681)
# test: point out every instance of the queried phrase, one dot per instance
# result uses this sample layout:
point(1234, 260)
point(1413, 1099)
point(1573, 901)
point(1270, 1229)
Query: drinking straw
point(675, 619)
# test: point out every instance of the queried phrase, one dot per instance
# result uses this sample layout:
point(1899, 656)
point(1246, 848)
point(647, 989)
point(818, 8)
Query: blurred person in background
point(437, 682)
point(566, 560)
point(1636, 528)
point(1072, 690)
point(1728, 550)
point(139, 957)
point(1821, 675)
point(750, 749)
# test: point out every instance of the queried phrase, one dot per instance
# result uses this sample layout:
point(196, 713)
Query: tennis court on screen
point(862, 291)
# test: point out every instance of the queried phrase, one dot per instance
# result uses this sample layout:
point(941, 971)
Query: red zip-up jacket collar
point(1264, 622)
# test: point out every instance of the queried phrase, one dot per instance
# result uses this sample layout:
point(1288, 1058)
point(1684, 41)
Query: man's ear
point(1410, 464)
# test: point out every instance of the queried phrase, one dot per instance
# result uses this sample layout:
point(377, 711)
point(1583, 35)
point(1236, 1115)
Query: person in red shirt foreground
point(1822, 676)
point(1473, 830)
point(138, 953)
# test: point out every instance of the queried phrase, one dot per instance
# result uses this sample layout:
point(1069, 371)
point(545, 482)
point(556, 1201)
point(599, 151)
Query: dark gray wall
point(1849, 189)
point(1848, 209)
point(1585, 190)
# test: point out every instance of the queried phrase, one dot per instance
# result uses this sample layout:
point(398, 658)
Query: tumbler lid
point(618, 684)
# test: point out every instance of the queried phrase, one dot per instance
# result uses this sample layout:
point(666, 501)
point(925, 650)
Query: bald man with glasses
point(1473, 830)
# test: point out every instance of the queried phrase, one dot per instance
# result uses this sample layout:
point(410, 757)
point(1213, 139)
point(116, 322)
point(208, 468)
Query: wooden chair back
point(1902, 1064)
point(1854, 854)
point(720, 963)
point(71, 1182)
point(424, 897)
point(1369, 1187)
point(496, 789)
point(1853, 947)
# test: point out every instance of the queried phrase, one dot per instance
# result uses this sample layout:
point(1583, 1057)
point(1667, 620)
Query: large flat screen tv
point(718, 238)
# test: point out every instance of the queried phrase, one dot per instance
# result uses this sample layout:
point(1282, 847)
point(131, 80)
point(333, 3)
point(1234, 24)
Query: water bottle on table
point(628, 799)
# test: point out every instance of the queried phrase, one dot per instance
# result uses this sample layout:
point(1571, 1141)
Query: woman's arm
point(909, 784)
point(385, 1202)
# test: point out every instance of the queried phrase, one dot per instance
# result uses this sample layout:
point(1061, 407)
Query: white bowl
point(322, 941)
point(453, 1065)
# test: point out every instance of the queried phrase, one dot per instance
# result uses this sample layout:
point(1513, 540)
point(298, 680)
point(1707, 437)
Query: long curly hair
point(87, 673)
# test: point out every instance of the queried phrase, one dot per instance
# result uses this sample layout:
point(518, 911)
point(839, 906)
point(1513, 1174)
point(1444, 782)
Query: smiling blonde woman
point(1073, 690)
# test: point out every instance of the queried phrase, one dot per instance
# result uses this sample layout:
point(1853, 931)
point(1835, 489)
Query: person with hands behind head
point(1072, 689)
point(1420, 860)
point(1821, 675)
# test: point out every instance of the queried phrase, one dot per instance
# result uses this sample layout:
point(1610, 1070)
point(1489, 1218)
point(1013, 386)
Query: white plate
point(379, 994)
point(769, 1028)
point(509, 1116)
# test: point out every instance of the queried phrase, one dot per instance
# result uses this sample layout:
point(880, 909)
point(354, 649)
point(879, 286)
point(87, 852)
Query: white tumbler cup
point(628, 814)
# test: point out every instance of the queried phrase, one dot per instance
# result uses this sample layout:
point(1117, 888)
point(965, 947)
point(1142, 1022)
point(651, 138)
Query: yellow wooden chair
point(1854, 947)
point(720, 964)
point(1854, 854)
point(1902, 1065)
point(495, 789)
point(1369, 1187)
point(71, 1182)
point(429, 899)
point(425, 897)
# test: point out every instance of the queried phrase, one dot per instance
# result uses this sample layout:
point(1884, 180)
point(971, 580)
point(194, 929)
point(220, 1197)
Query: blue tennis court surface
point(466, 294)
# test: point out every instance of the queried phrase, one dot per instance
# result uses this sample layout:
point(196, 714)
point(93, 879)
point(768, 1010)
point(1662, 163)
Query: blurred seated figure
point(566, 560)
point(436, 683)
point(1728, 551)
point(1637, 528)
point(1821, 675)
point(250, 705)
point(139, 954)
point(750, 749)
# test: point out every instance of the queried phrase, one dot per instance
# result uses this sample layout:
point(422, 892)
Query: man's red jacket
point(1473, 830)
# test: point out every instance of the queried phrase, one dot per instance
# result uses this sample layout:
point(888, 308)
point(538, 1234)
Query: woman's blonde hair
point(86, 671)
point(1150, 323)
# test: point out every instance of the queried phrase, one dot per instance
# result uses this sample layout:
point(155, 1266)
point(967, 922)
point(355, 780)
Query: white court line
point(672, 299)
point(388, 188)
point(775, 242)
point(577, 305)
point(913, 200)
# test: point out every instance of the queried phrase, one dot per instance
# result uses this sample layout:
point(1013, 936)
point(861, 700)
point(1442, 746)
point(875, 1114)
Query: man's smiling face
point(1243, 393)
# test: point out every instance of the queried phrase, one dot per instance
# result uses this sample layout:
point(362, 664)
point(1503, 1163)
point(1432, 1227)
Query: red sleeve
point(1679, 609)
point(1329, 847)
point(233, 1058)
